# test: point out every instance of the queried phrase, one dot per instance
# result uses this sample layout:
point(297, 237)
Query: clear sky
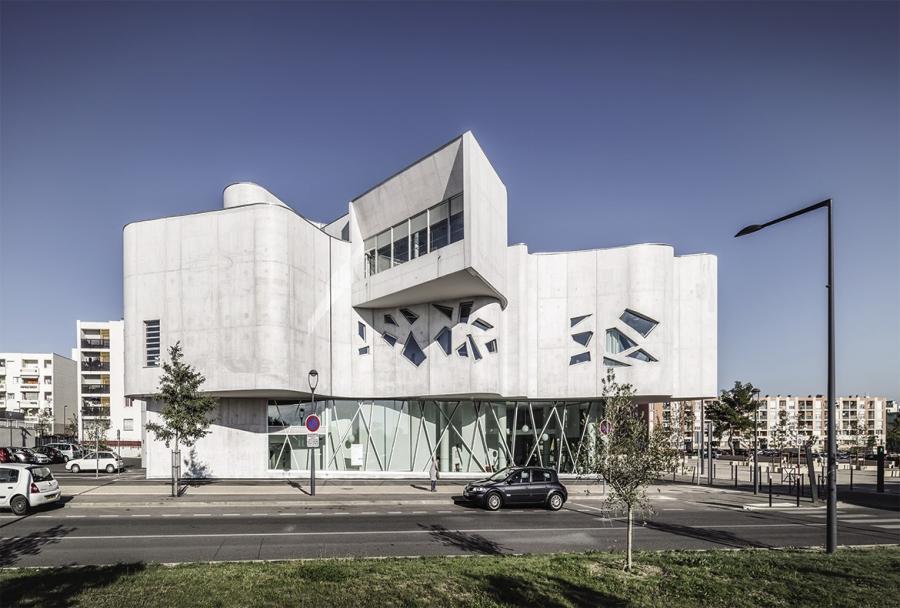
point(609, 123)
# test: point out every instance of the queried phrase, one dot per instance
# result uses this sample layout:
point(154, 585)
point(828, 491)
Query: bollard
point(798, 490)
point(770, 491)
point(735, 476)
point(851, 477)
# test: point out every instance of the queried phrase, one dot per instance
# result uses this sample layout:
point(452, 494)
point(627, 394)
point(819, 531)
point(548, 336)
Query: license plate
point(53, 496)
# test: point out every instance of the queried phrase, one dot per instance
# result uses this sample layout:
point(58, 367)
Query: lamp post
point(313, 380)
point(831, 503)
point(755, 442)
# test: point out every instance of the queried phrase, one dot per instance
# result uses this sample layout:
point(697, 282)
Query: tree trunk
point(175, 468)
point(628, 542)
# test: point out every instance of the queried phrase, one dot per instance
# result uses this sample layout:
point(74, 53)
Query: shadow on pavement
point(60, 586)
point(15, 548)
point(472, 543)
point(524, 592)
point(719, 537)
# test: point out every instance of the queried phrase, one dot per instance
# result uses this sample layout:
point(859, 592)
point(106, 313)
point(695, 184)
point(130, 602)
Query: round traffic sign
point(312, 423)
point(604, 427)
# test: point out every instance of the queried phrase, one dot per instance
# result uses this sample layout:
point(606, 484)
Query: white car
point(68, 450)
point(25, 486)
point(108, 461)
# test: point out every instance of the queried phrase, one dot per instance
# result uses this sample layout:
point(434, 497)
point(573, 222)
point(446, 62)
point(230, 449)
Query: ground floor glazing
point(465, 436)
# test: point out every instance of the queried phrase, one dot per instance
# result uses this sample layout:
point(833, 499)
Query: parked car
point(23, 455)
point(55, 456)
point(23, 487)
point(6, 456)
point(107, 461)
point(518, 486)
point(69, 450)
point(36, 457)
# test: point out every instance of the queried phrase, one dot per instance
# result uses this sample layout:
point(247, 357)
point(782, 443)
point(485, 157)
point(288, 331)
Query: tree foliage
point(893, 435)
point(185, 410)
point(630, 457)
point(785, 434)
point(732, 413)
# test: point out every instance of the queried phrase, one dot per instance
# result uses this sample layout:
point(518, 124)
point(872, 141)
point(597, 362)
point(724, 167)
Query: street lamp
point(313, 380)
point(831, 508)
point(755, 441)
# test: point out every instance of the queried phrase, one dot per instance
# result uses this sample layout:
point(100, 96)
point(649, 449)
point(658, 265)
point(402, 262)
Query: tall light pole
point(831, 503)
point(313, 383)
point(755, 442)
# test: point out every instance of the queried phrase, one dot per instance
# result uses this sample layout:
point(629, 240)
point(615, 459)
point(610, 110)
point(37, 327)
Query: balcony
point(95, 411)
point(94, 343)
point(95, 389)
point(95, 366)
point(30, 371)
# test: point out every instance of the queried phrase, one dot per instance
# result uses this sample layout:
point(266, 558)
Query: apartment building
point(787, 419)
point(100, 355)
point(41, 386)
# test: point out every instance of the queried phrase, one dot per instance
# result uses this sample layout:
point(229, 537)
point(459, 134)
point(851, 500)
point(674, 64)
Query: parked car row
point(22, 455)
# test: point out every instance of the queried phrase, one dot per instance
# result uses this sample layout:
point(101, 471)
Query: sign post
point(312, 443)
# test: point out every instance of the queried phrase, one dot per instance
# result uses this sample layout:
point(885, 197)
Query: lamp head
point(313, 379)
point(748, 230)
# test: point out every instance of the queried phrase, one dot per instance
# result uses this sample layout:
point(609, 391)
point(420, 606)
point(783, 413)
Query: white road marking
point(288, 514)
point(202, 514)
point(342, 513)
point(259, 514)
point(171, 514)
point(368, 513)
point(109, 516)
point(856, 520)
point(142, 515)
point(395, 513)
point(889, 526)
point(380, 532)
point(673, 509)
point(317, 513)
point(75, 516)
point(231, 514)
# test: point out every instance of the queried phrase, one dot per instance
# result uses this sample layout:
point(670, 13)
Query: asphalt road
point(73, 535)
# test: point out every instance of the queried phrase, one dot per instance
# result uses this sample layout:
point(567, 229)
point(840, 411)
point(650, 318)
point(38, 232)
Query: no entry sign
point(312, 423)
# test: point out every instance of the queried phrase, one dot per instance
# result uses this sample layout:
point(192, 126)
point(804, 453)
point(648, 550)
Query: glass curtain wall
point(403, 436)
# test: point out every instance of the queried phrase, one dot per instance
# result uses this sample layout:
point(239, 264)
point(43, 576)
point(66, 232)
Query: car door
point(540, 485)
point(518, 488)
point(9, 477)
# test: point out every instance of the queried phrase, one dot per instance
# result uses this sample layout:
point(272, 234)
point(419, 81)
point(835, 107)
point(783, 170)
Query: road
point(210, 532)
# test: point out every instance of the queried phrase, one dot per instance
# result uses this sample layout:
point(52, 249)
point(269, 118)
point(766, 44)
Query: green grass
point(851, 577)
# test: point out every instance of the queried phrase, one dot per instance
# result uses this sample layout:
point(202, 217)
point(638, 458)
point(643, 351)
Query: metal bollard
point(735, 477)
point(798, 489)
point(851, 477)
point(770, 491)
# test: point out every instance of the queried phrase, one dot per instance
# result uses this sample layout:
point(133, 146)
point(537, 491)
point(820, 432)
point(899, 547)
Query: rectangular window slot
point(389, 320)
point(482, 325)
point(364, 350)
point(475, 352)
point(492, 346)
point(392, 340)
point(151, 343)
point(462, 350)
point(447, 311)
point(444, 338)
point(465, 309)
point(409, 315)
point(361, 328)
point(579, 358)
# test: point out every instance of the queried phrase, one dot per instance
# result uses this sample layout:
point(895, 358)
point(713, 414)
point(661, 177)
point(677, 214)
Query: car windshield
point(501, 474)
point(41, 474)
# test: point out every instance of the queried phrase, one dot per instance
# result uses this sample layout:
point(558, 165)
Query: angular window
point(475, 352)
point(409, 315)
point(465, 309)
point(583, 338)
point(437, 217)
point(444, 338)
point(492, 346)
point(389, 339)
point(389, 320)
point(456, 218)
point(482, 325)
point(383, 261)
point(579, 358)
point(364, 350)
point(642, 355)
point(361, 329)
point(446, 310)
point(418, 231)
point(607, 362)
point(462, 350)
point(616, 341)
point(401, 243)
point(151, 343)
point(576, 320)
point(412, 351)
point(638, 322)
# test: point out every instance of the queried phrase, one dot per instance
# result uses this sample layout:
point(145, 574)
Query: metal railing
point(95, 389)
point(95, 411)
point(94, 343)
point(97, 366)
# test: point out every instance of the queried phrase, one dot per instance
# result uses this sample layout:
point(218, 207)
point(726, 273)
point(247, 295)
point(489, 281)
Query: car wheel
point(19, 505)
point(75, 468)
point(493, 501)
point(555, 502)
point(110, 468)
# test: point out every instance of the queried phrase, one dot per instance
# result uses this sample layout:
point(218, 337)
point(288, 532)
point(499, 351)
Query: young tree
point(871, 441)
point(185, 410)
point(784, 435)
point(44, 421)
point(629, 456)
point(94, 433)
point(733, 412)
point(71, 426)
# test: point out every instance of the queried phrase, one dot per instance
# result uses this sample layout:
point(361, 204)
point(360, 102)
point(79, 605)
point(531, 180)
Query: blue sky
point(610, 123)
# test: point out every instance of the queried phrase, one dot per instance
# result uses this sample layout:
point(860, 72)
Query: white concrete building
point(430, 334)
point(39, 385)
point(100, 357)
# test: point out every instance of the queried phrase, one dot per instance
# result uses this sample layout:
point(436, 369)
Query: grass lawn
point(851, 577)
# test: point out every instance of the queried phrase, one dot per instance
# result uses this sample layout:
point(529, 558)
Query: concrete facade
point(258, 295)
